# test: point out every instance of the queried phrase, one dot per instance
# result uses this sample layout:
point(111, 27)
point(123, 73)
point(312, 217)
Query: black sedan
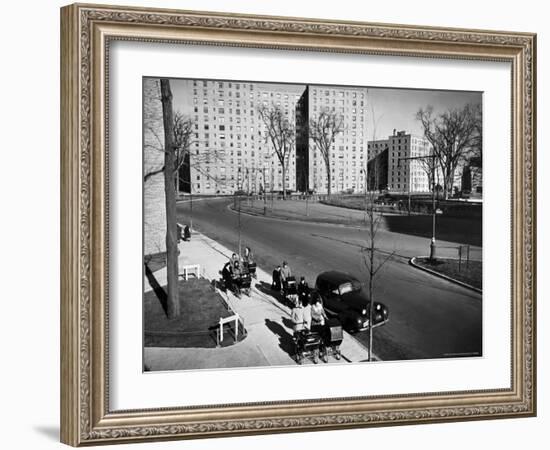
point(343, 296)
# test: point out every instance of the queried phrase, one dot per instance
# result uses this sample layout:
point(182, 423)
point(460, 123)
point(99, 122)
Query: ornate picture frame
point(86, 33)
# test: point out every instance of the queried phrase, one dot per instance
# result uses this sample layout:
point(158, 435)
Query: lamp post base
point(432, 249)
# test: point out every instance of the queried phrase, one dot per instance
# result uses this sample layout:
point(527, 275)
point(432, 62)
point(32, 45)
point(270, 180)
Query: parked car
point(344, 296)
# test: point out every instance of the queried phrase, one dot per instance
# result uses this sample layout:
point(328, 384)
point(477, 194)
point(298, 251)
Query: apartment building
point(348, 154)
point(404, 174)
point(230, 151)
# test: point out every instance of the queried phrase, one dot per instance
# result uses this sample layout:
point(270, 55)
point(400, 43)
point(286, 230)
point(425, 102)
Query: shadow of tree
point(157, 289)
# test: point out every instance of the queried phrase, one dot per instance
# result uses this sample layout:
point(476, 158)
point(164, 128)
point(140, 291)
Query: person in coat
point(303, 290)
point(276, 282)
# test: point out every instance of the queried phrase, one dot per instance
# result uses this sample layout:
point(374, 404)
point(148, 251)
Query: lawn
point(470, 273)
point(201, 307)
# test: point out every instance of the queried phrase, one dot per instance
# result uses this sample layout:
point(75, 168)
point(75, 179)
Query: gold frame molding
point(86, 31)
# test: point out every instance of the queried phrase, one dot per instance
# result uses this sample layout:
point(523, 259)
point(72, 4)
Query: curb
point(413, 263)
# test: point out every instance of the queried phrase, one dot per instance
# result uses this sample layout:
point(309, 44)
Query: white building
point(404, 174)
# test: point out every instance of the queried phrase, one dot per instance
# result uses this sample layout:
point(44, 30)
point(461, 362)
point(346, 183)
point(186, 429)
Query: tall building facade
point(302, 142)
point(231, 150)
point(404, 174)
point(348, 153)
point(154, 213)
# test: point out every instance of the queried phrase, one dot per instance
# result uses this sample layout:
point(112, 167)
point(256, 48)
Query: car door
point(333, 301)
point(321, 286)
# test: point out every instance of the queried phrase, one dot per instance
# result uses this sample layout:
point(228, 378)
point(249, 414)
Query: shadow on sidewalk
point(286, 341)
point(157, 289)
point(265, 288)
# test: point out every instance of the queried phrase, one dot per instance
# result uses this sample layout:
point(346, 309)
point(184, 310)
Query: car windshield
point(349, 287)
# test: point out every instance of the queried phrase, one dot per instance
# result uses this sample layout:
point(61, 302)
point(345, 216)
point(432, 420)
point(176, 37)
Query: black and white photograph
point(305, 224)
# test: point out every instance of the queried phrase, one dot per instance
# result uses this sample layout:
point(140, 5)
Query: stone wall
point(154, 212)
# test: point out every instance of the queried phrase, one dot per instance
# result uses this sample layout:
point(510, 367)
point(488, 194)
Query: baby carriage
point(251, 266)
point(332, 336)
point(290, 290)
point(306, 345)
point(243, 283)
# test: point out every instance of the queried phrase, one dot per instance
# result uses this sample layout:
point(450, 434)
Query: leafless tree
point(373, 258)
point(173, 306)
point(429, 164)
point(454, 135)
point(323, 130)
point(183, 140)
point(280, 132)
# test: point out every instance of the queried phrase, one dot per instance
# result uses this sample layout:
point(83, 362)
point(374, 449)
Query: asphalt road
point(429, 317)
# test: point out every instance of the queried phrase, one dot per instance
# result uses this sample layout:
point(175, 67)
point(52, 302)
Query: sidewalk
point(269, 340)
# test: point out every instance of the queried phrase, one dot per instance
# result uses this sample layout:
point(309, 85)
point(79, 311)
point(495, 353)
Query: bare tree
point(429, 164)
point(373, 258)
point(280, 132)
point(454, 135)
point(323, 131)
point(183, 141)
point(371, 255)
point(173, 306)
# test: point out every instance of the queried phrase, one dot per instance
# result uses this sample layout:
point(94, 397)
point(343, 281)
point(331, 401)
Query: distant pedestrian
point(247, 256)
point(186, 233)
point(276, 281)
point(285, 272)
point(303, 290)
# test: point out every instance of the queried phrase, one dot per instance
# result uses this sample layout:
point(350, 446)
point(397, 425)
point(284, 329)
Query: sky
point(388, 108)
point(396, 108)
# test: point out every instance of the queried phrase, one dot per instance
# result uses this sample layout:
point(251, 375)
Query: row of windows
point(340, 93)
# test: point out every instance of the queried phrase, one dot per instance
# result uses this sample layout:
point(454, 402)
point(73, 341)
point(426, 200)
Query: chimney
point(394, 130)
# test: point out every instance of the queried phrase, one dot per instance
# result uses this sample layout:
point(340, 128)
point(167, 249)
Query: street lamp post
point(434, 211)
point(432, 242)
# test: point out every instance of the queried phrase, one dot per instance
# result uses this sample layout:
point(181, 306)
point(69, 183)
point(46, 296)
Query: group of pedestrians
point(308, 312)
point(281, 276)
point(234, 270)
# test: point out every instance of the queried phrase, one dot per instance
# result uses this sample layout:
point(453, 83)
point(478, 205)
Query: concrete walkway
point(269, 341)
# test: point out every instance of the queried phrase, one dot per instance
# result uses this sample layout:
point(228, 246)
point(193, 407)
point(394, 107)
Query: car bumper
point(376, 325)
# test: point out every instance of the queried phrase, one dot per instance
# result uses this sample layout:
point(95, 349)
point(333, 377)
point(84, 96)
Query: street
point(429, 317)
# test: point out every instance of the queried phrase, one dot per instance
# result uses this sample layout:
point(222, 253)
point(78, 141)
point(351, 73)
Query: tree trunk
point(173, 307)
point(329, 179)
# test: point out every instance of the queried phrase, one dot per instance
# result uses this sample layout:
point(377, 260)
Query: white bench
point(194, 269)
